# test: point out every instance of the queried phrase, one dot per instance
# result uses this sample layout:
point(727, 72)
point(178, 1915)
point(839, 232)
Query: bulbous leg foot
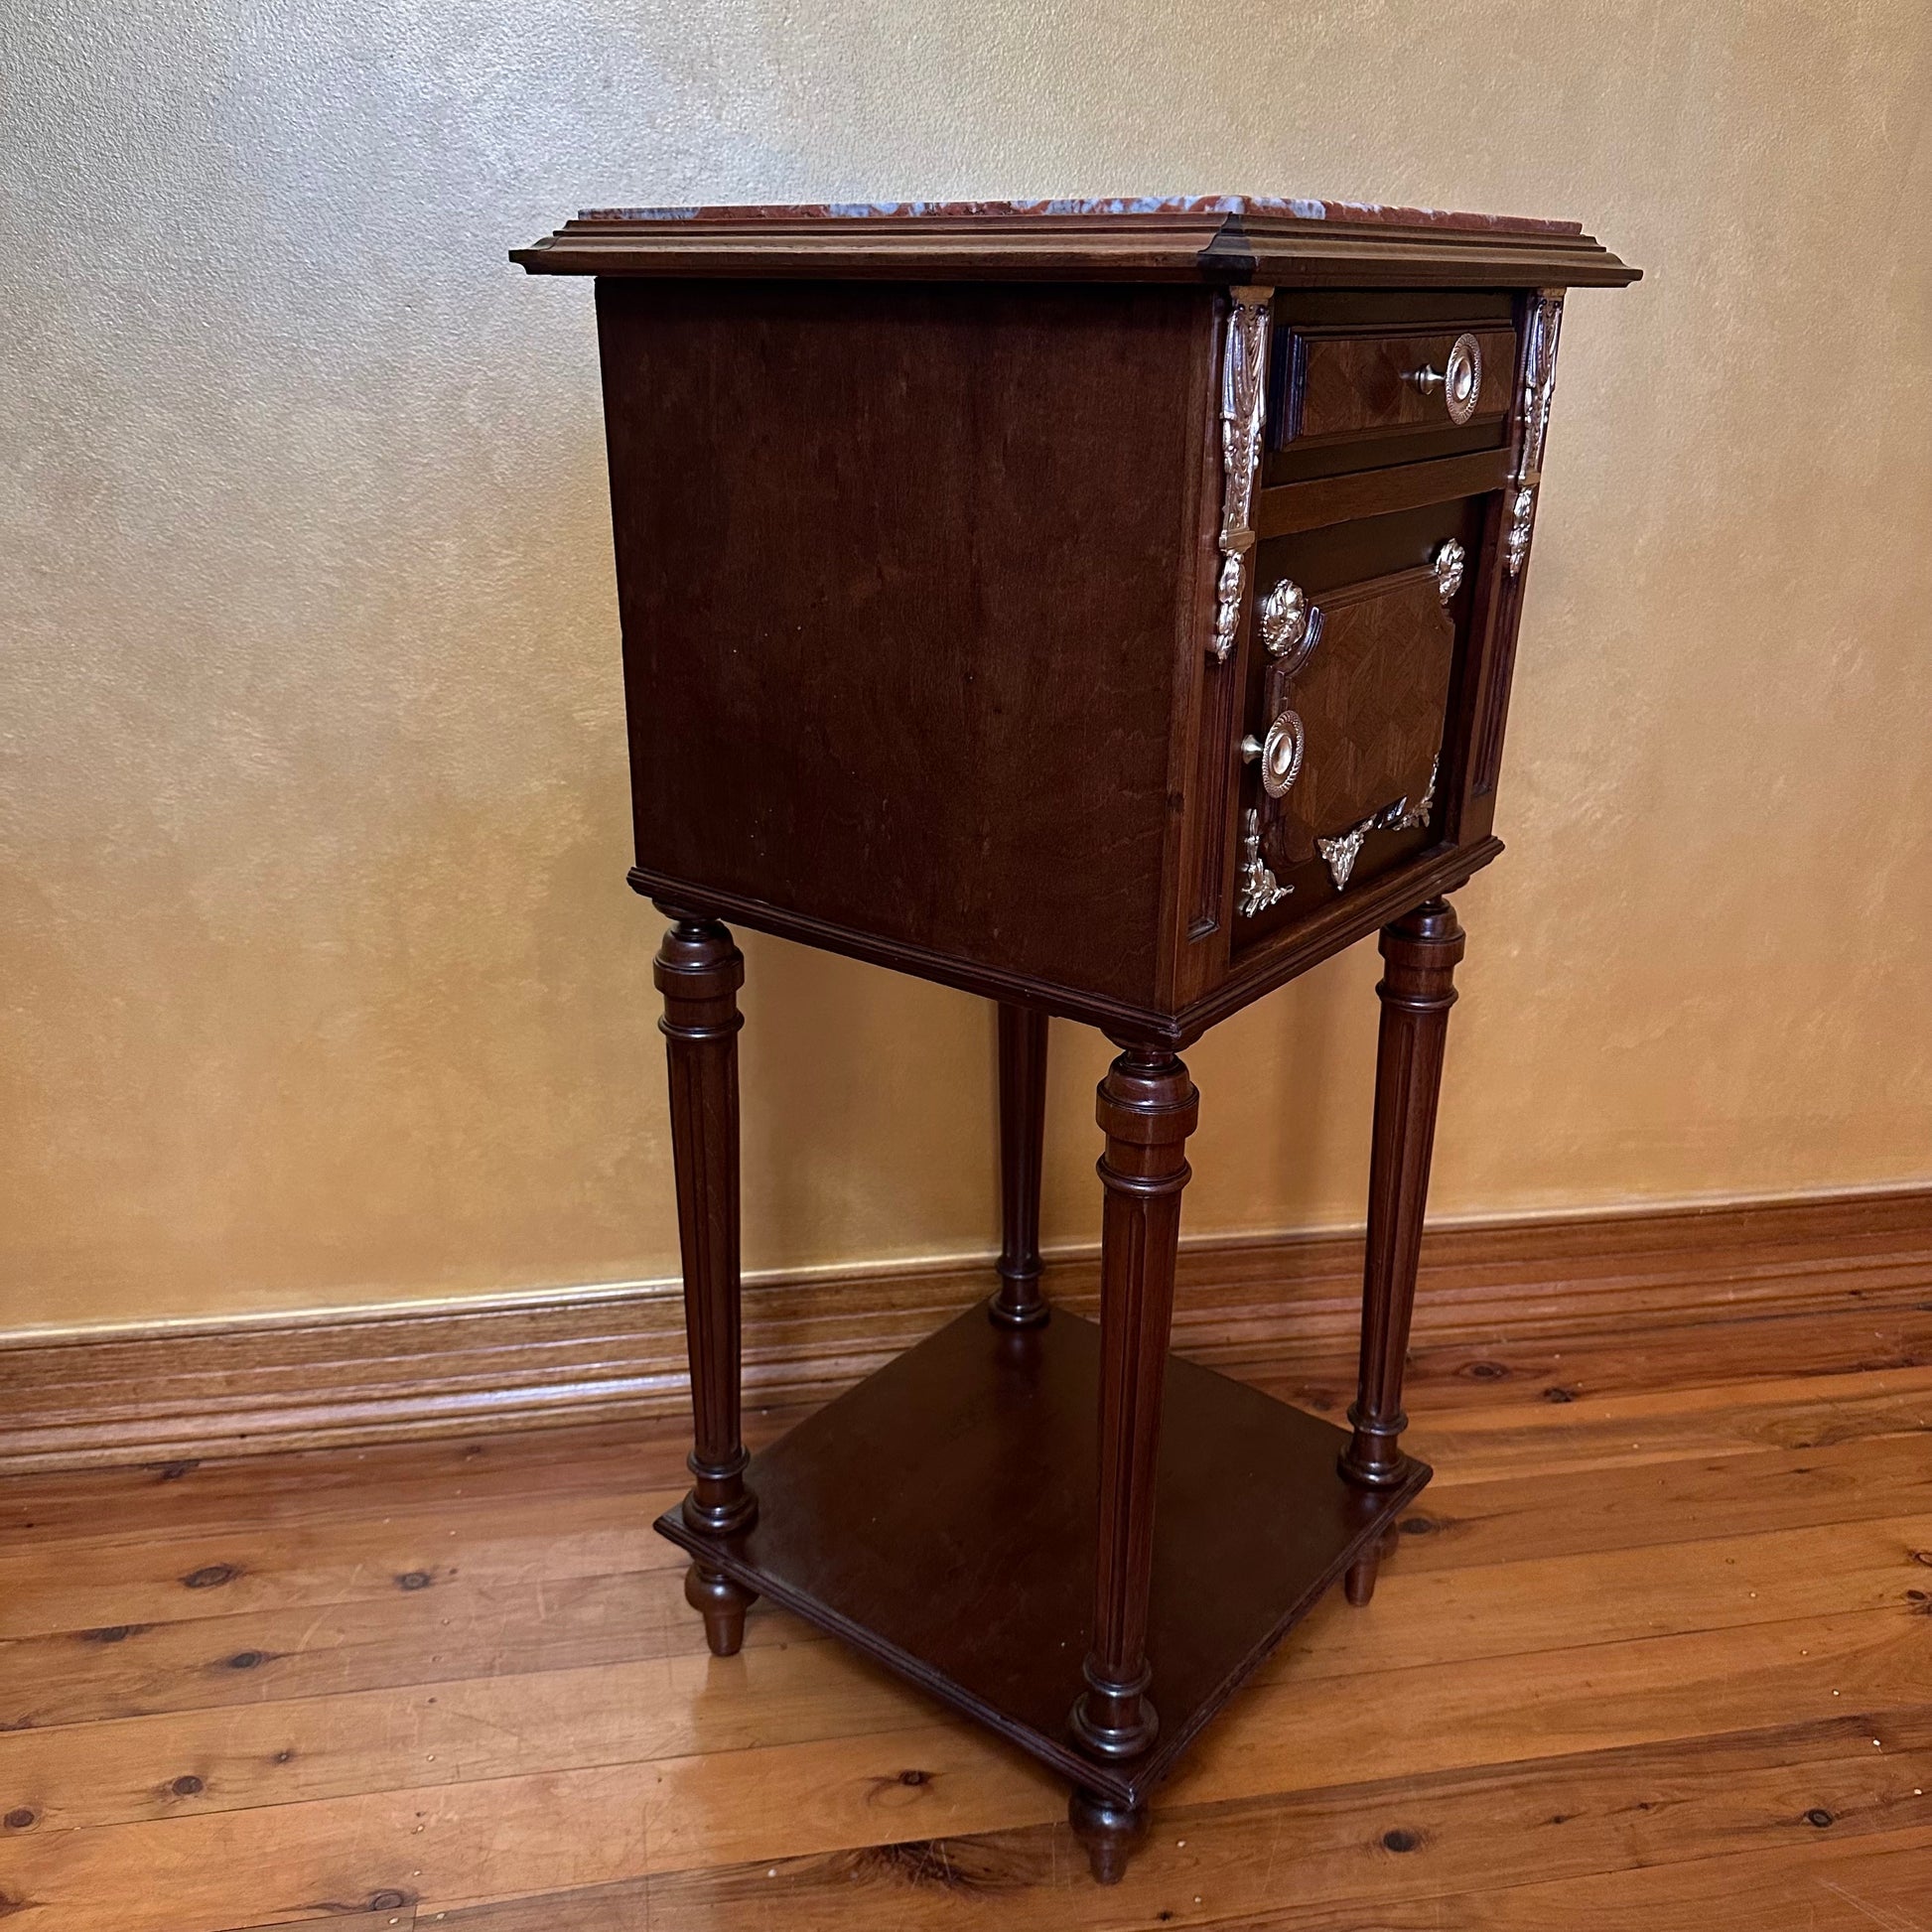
point(1359, 1584)
point(722, 1603)
point(1109, 1831)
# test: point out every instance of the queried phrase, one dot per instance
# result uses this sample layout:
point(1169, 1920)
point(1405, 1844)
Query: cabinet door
point(1358, 633)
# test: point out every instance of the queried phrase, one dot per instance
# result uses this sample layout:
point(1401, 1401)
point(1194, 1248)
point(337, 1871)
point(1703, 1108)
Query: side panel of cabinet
point(902, 571)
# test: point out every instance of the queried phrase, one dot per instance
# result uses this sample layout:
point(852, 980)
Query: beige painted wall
point(321, 982)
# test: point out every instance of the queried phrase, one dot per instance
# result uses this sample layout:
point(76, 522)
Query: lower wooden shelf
point(940, 1518)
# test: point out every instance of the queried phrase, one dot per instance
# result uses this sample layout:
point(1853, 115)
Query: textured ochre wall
point(320, 983)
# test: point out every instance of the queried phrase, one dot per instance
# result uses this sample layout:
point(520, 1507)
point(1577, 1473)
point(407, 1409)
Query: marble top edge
point(1281, 208)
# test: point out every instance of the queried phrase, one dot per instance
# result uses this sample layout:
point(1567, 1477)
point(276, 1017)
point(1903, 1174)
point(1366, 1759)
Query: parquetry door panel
point(1367, 691)
point(1354, 703)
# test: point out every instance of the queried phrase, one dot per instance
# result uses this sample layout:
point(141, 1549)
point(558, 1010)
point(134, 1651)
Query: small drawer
point(1336, 386)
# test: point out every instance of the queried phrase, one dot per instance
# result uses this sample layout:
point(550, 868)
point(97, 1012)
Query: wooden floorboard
point(1655, 1652)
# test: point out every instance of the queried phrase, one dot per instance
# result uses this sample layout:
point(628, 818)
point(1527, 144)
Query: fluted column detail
point(1422, 950)
point(1147, 1108)
point(699, 971)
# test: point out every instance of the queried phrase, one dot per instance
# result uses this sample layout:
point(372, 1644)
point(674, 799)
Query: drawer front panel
point(1346, 385)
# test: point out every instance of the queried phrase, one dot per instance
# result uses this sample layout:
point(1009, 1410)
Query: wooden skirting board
point(179, 1393)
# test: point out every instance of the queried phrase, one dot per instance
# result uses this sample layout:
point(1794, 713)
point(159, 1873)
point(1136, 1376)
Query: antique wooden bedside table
point(1106, 607)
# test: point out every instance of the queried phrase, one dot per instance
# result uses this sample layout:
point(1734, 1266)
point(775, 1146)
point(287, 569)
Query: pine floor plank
point(383, 1918)
point(422, 1639)
point(1665, 1424)
point(118, 1505)
point(1451, 1646)
point(793, 1799)
point(1626, 1668)
point(1555, 1603)
point(210, 1871)
point(287, 1752)
point(1355, 1855)
point(407, 1637)
point(130, 1539)
point(127, 1589)
point(99, 1585)
point(318, 1486)
point(1884, 1884)
point(1568, 1511)
point(1619, 1361)
point(148, 1580)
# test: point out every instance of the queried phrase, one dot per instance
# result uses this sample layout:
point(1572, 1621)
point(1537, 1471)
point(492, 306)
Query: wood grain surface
point(175, 1393)
point(1653, 1652)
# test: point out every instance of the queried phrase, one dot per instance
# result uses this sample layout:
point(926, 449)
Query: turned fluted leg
point(1148, 1107)
point(698, 972)
point(1421, 951)
point(1019, 1303)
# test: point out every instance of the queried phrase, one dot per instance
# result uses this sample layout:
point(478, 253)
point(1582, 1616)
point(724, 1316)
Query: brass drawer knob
point(1280, 753)
point(1461, 382)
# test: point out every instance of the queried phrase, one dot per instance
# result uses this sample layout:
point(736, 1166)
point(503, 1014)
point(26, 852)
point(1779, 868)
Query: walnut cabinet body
point(1108, 609)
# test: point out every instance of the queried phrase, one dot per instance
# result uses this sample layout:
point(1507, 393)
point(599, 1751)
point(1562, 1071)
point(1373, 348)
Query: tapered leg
point(1148, 1107)
point(722, 1603)
point(1109, 1829)
point(1019, 1303)
point(1420, 950)
point(698, 972)
point(1358, 1586)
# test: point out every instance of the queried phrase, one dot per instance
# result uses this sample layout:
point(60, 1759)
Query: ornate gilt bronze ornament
point(1341, 852)
point(1538, 386)
point(1243, 397)
point(1258, 887)
point(1285, 616)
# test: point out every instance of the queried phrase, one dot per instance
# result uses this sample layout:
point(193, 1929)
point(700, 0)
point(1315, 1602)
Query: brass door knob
point(1280, 753)
point(1461, 382)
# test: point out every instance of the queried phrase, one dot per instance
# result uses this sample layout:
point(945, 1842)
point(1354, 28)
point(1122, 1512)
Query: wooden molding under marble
point(172, 1394)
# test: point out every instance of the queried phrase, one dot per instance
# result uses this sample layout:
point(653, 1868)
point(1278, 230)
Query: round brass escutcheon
point(1462, 378)
point(1281, 753)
